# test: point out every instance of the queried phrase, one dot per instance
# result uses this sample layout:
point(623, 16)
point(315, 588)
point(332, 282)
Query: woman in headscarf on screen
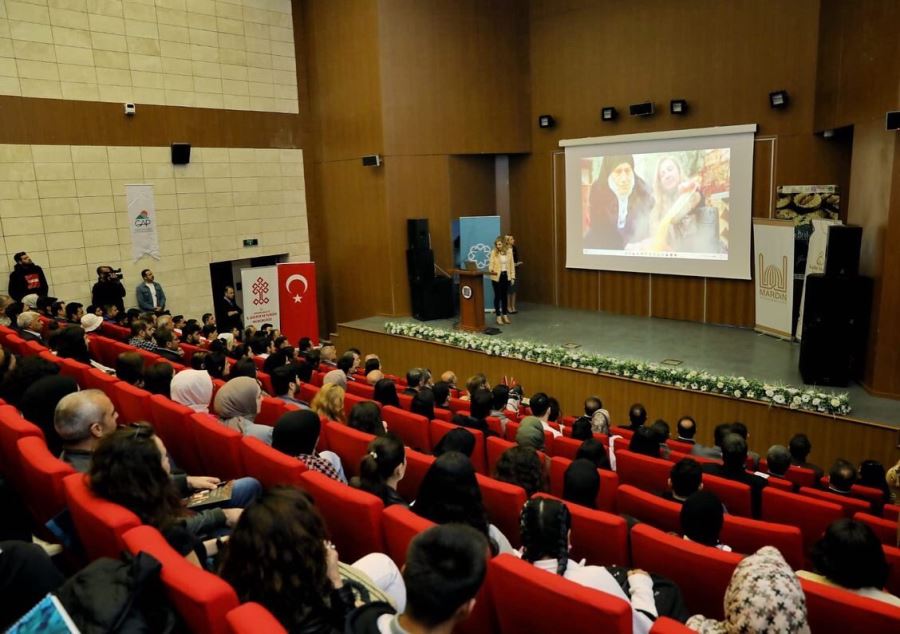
point(620, 205)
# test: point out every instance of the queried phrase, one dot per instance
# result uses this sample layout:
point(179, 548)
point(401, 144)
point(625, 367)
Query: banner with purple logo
point(260, 288)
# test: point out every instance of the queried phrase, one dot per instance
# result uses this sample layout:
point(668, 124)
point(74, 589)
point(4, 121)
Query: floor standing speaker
point(432, 299)
point(835, 329)
point(842, 250)
point(417, 233)
point(419, 265)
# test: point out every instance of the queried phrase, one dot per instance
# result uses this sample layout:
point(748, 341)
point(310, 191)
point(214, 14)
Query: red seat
point(366, 391)
point(73, 369)
point(42, 479)
point(417, 465)
point(746, 535)
point(599, 537)
point(733, 494)
point(308, 392)
point(350, 400)
point(495, 447)
point(115, 332)
point(656, 511)
point(886, 530)
point(102, 350)
point(625, 432)
point(531, 600)
point(400, 526)
point(266, 381)
point(850, 505)
point(353, 517)
point(95, 379)
point(833, 610)
point(32, 348)
point(252, 618)
point(437, 429)
point(99, 523)
point(702, 572)
point(201, 598)
point(349, 444)
point(503, 502)
point(405, 399)
point(411, 428)
point(16, 344)
point(172, 422)
point(811, 516)
point(189, 351)
point(800, 476)
point(644, 472)
point(609, 482)
point(443, 414)
point(219, 447)
point(565, 447)
point(150, 358)
point(780, 483)
point(512, 429)
point(270, 466)
point(892, 555)
point(459, 405)
point(271, 409)
point(677, 445)
point(12, 428)
point(873, 495)
point(665, 625)
point(132, 403)
point(891, 512)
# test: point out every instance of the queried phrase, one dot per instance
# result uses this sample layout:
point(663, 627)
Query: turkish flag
point(297, 301)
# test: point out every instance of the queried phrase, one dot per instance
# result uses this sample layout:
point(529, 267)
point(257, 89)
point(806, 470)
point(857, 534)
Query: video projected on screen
point(660, 204)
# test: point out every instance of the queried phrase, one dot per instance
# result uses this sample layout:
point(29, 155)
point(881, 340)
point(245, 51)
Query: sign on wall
point(774, 276)
point(142, 221)
point(261, 296)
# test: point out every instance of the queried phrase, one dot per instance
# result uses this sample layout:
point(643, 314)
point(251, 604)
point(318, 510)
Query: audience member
point(71, 343)
point(142, 335)
point(702, 518)
point(459, 439)
point(297, 434)
point(374, 377)
point(778, 461)
point(540, 407)
point(594, 451)
point(686, 429)
point(581, 483)
point(150, 295)
point(328, 355)
point(685, 479)
point(645, 441)
point(480, 409)
point(192, 388)
point(661, 429)
point(800, 448)
point(441, 392)
point(423, 403)
point(523, 467)
point(30, 326)
point(531, 433)
point(215, 364)
point(714, 452)
point(582, 429)
point(26, 278)
point(167, 345)
point(595, 415)
point(237, 405)
point(74, 312)
point(158, 378)
point(27, 575)
point(872, 474)
point(637, 416)
point(385, 392)
point(734, 457)
point(285, 385)
point(415, 380)
point(348, 363)
point(22, 373)
point(449, 377)
point(841, 477)
point(81, 420)
point(554, 411)
point(243, 367)
point(38, 405)
point(366, 417)
point(476, 382)
point(371, 363)
point(740, 429)
point(500, 395)
point(382, 468)
point(329, 402)
point(91, 322)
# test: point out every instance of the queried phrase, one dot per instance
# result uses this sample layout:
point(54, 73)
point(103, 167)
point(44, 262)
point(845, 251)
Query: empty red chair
point(270, 466)
point(665, 625)
point(801, 476)
point(201, 598)
point(833, 610)
point(886, 530)
point(219, 447)
point(850, 505)
point(349, 444)
point(12, 428)
point(503, 502)
point(400, 526)
point(437, 429)
point(746, 535)
point(132, 403)
point(527, 599)
point(353, 517)
point(411, 428)
point(42, 479)
point(599, 537)
point(417, 465)
point(609, 482)
point(364, 390)
point(649, 508)
point(99, 523)
point(644, 472)
point(702, 572)
point(810, 515)
point(252, 618)
point(172, 422)
point(733, 494)
point(271, 409)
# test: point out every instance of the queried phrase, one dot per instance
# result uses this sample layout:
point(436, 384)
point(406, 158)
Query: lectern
point(471, 300)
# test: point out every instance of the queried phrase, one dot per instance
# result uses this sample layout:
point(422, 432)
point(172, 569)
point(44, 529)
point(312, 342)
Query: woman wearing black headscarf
point(39, 403)
point(620, 205)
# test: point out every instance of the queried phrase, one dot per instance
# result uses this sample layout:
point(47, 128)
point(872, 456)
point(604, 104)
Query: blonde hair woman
point(503, 272)
point(513, 284)
point(329, 402)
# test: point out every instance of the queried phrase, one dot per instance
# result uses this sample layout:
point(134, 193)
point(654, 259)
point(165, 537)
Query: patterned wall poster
point(142, 221)
point(260, 291)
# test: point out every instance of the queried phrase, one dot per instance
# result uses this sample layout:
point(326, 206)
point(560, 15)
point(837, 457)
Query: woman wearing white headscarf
point(237, 404)
point(193, 388)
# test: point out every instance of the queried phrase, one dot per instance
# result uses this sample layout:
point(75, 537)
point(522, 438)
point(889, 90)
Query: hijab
point(39, 402)
point(193, 388)
point(239, 398)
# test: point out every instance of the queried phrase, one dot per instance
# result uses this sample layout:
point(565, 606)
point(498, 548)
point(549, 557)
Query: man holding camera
point(108, 291)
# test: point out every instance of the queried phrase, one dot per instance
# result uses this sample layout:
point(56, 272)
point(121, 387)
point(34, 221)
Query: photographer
point(108, 290)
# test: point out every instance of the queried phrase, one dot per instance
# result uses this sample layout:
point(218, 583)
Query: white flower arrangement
point(737, 387)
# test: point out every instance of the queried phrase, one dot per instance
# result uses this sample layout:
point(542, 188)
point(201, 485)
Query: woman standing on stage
point(513, 285)
point(503, 271)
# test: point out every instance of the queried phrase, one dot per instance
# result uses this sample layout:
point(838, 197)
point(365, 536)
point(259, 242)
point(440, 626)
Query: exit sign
point(251, 242)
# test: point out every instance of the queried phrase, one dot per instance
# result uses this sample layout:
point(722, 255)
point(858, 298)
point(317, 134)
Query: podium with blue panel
point(473, 240)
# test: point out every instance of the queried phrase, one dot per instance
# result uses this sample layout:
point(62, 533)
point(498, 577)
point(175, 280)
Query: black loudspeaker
point(417, 233)
point(432, 299)
point(835, 329)
point(892, 120)
point(181, 153)
point(842, 251)
point(419, 265)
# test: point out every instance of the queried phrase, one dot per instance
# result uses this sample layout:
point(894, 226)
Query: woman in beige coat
point(503, 272)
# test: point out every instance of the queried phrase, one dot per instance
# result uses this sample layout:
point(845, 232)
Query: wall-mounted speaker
point(181, 153)
point(642, 109)
point(892, 120)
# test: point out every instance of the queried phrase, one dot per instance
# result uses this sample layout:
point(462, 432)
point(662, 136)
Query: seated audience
point(685, 479)
point(523, 467)
point(500, 394)
point(71, 343)
point(415, 380)
point(841, 477)
point(702, 518)
point(366, 417)
point(476, 382)
point(237, 405)
point(30, 326)
point(449, 493)
point(445, 568)
point(480, 409)
point(158, 378)
point(540, 407)
point(335, 377)
point(441, 392)
point(385, 392)
point(374, 377)
point(348, 363)
point(593, 450)
point(459, 439)
point(637, 416)
point(554, 412)
point(582, 429)
point(800, 448)
point(595, 415)
point(27, 575)
point(661, 429)
point(714, 452)
point(872, 474)
point(850, 556)
point(328, 355)
point(91, 322)
point(242, 367)
point(81, 419)
point(285, 385)
point(371, 363)
point(734, 456)
point(167, 345)
point(764, 595)
point(215, 364)
point(329, 402)
point(581, 483)
point(193, 388)
point(423, 403)
point(645, 441)
point(21, 373)
point(382, 468)
point(778, 461)
point(741, 430)
point(546, 524)
point(531, 433)
point(39, 402)
point(142, 335)
point(449, 377)
point(297, 434)
point(686, 429)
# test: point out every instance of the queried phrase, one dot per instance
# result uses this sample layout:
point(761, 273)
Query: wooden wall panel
point(831, 437)
point(531, 217)
point(731, 302)
point(625, 293)
point(677, 297)
point(472, 186)
point(454, 76)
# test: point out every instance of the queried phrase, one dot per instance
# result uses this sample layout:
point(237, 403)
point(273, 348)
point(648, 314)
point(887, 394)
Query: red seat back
point(172, 422)
point(800, 476)
point(417, 465)
point(811, 516)
point(437, 429)
point(459, 405)
point(565, 447)
point(871, 494)
point(349, 444)
point(665, 625)
point(115, 332)
point(12, 428)
point(531, 600)
point(405, 399)
point(833, 610)
point(892, 556)
point(733, 494)
point(42, 479)
point(252, 618)
point(644, 472)
point(201, 598)
point(494, 449)
point(32, 348)
point(780, 483)
point(95, 379)
point(885, 530)
point(649, 508)
point(609, 482)
point(599, 537)
point(702, 572)
point(308, 392)
point(99, 523)
point(219, 446)
point(364, 390)
point(270, 466)
point(73, 369)
point(850, 505)
point(411, 428)
point(271, 409)
point(189, 352)
point(132, 403)
point(16, 344)
point(503, 502)
point(443, 414)
point(400, 526)
point(746, 535)
point(353, 517)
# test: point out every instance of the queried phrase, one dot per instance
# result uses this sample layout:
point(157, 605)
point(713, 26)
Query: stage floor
point(717, 349)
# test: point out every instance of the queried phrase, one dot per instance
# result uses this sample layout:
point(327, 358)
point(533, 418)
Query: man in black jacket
point(108, 291)
point(734, 455)
point(26, 278)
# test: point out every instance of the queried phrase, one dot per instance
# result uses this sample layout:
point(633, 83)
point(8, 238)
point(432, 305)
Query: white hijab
point(193, 388)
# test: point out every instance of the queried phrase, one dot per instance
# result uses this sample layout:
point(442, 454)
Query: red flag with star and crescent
point(297, 299)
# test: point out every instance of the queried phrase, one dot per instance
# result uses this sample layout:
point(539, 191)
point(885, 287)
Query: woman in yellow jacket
point(503, 272)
